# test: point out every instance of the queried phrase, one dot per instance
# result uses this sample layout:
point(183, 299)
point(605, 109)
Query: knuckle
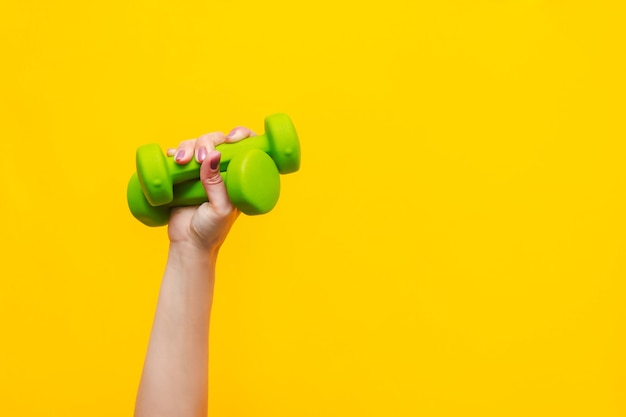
point(214, 138)
point(213, 180)
point(189, 143)
point(223, 212)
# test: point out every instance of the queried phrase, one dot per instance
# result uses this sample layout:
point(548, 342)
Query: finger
point(185, 151)
point(239, 133)
point(171, 151)
point(214, 184)
point(206, 143)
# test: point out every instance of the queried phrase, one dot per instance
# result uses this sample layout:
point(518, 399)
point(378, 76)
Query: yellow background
point(452, 246)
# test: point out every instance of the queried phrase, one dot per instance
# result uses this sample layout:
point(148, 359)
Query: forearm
point(174, 381)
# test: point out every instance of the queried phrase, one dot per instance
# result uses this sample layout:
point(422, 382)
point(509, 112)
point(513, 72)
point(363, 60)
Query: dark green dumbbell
point(158, 173)
point(252, 182)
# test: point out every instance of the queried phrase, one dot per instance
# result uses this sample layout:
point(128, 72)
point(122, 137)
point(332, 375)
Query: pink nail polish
point(202, 153)
point(215, 162)
point(231, 134)
point(180, 155)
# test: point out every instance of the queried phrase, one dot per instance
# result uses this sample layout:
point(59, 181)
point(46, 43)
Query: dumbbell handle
point(229, 150)
point(184, 172)
point(279, 141)
point(189, 193)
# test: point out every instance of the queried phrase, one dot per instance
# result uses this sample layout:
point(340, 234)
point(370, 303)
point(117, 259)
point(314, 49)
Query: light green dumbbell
point(252, 182)
point(158, 173)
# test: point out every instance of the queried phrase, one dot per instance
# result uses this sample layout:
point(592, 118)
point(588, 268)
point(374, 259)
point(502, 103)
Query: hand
point(205, 227)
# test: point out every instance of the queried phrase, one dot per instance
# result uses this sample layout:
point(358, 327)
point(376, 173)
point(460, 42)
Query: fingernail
point(231, 134)
point(180, 155)
point(215, 162)
point(202, 153)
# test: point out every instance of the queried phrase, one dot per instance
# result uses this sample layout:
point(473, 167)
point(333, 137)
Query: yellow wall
point(452, 246)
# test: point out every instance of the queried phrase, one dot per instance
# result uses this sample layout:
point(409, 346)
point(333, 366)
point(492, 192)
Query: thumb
point(214, 183)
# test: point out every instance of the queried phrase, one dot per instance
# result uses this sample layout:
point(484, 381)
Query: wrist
point(187, 253)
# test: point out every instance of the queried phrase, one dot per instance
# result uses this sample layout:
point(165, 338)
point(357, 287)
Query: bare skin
point(174, 380)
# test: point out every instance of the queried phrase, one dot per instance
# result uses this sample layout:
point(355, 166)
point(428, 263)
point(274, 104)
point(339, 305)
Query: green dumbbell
point(252, 182)
point(158, 173)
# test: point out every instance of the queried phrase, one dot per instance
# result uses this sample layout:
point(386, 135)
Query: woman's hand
point(174, 380)
point(205, 227)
